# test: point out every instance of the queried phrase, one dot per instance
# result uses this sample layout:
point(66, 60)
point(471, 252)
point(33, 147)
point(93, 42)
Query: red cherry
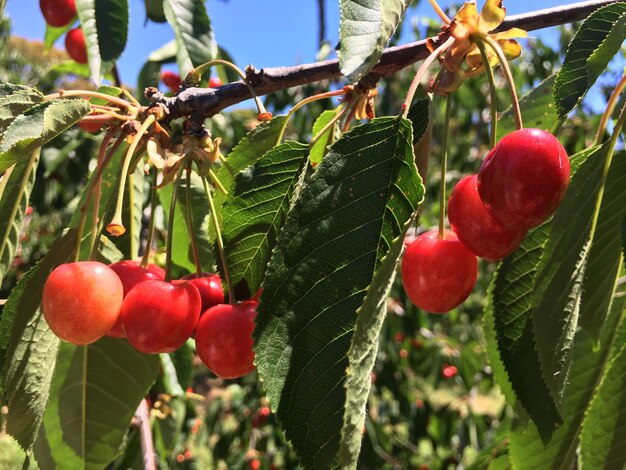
point(224, 339)
point(215, 82)
point(94, 122)
point(524, 177)
point(255, 464)
point(438, 274)
point(210, 288)
point(81, 301)
point(449, 371)
point(160, 316)
point(58, 12)
point(171, 80)
point(475, 227)
point(75, 45)
point(131, 274)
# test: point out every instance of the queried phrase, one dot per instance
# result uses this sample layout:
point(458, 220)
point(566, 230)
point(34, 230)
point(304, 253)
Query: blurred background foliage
point(434, 403)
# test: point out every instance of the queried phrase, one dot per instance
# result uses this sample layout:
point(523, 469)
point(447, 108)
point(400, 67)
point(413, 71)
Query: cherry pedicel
point(131, 274)
point(438, 274)
point(474, 225)
point(81, 301)
point(75, 45)
point(224, 339)
point(524, 177)
point(210, 288)
point(58, 13)
point(159, 316)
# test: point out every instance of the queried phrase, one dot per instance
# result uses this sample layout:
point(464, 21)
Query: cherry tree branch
point(205, 102)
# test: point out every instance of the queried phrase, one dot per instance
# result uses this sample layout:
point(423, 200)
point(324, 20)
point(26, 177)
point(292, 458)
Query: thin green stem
point(134, 248)
point(90, 94)
point(328, 126)
point(304, 102)
point(421, 71)
point(444, 165)
point(220, 242)
point(170, 225)
point(517, 113)
point(610, 106)
point(192, 233)
point(607, 165)
point(218, 184)
point(116, 227)
point(153, 204)
point(493, 95)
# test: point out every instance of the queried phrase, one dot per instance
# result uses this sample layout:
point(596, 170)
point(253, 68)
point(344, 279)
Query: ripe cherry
point(524, 177)
point(224, 339)
point(131, 274)
point(75, 45)
point(159, 316)
point(210, 288)
point(474, 225)
point(171, 80)
point(215, 82)
point(58, 12)
point(449, 371)
point(81, 301)
point(438, 274)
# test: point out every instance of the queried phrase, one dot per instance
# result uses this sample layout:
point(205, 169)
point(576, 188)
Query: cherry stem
point(220, 243)
point(116, 227)
point(444, 167)
point(150, 238)
point(98, 110)
point(90, 94)
point(194, 77)
point(349, 117)
point(517, 113)
point(328, 126)
point(216, 181)
point(610, 106)
point(607, 165)
point(133, 246)
point(493, 95)
point(421, 71)
point(97, 190)
point(304, 102)
point(142, 414)
point(170, 225)
point(440, 12)
point(192, 233)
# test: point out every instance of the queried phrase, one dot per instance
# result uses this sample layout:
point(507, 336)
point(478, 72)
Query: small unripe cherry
point(131, 273)
point(81, 301)
point(524, 177)
point(58, 13)
point(438, 274)
point(224, 339)
point(159, 316)
point(75, 45)
point(476, 228)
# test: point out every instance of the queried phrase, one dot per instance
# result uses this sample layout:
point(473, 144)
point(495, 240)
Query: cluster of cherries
point(59, 13)
point(86, 300)
point(519, 185)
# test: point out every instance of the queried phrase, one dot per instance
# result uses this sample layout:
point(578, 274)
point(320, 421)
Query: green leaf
point(624, 237)
point(255, 211)
point(149, 76)
point(86, 10)
point(53, 34)
point(70, 67)
point(28, 347)
point(164, 54)
point(511, 296)
point(192, 28)
point(131, 215)
point(597, 40)
point(112, 26)
point(365, 29)
point(17, 184)
point(15, 100)
point(602, 442)
point(604, 257)
point(347, 219)
point(318, 150)
point(154, 10)
point(559, 281)
point(537, 107)
point(37, 126)
point(247, 152)
point(527, 450)
point(89, 413)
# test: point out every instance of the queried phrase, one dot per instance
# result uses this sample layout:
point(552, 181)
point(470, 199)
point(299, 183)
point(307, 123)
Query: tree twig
point(207, 102)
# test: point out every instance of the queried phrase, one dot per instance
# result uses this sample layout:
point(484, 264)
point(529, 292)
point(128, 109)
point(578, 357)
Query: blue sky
point(265, 33)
